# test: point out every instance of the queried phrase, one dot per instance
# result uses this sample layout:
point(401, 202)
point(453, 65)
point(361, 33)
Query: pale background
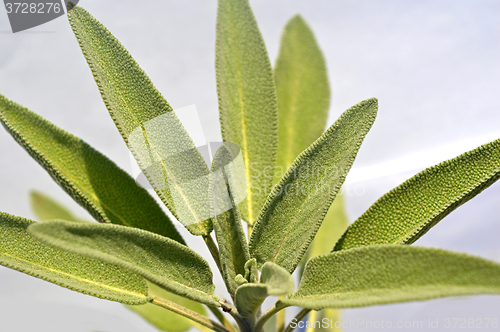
point(433, 65)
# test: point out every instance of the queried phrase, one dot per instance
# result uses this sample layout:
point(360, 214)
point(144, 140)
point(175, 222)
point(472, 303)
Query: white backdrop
point(433, 65)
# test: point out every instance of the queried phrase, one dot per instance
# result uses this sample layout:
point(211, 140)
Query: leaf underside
point(298, 204)
point(19, 251)
point(382, 274)
point(107, 192)
point(158, 259)
point(247, 99)
point(408, 211)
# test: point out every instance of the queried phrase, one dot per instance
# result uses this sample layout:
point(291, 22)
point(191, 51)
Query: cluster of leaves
point(135, 255)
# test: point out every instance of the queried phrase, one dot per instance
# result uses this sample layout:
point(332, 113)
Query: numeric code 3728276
point(33, 7)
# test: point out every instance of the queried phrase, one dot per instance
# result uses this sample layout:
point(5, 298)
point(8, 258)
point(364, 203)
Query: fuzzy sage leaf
point(382, 274)
point(247, 99)
point(162, 147)
point(107, 192)
point(408, 211)
point(274, 280)
point(295, 209)
point(19, 251)
point(158, 259)
point(303, 91)
point(233, 247)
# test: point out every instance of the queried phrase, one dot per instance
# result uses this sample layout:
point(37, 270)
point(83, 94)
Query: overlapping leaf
point(45, 208)
point(147, 123)
point(156, 258)
point(19, 251)
point(303, 91)
point(391, 273)
point(247, 99)
point(274, 280)
point(164, 319)
point(232, 242)
point(108, 193)
point(299, 202)
point(408, 211)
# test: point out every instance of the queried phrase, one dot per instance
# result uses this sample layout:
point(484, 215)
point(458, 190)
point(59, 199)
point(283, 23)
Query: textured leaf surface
point(108, 193)
point(303, 91)
point(233, 247)
point(156, 258)
point(46, 208)
point(299, 202)
point(331, 229)
point(164, 319)
point(274, 280)
point(391, 273)
point(19, 251)
point(408, 211)
point(147, 123)
point(247, 99)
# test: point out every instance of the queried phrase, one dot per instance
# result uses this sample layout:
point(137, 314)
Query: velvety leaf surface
point(147, 123)
point(19, 251)
point(332, 228)
point(247, 99)
point(46, 208)
point(233, 247)
point(274, 280)
point(156, 258)
point(408, 211)
point(298, 204)
point(391, 273)
point(164, 319)
point(303, 91)
point(108, 193)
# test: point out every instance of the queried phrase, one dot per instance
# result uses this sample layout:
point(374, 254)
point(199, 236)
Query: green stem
point(265, 317)
point(212, 247)
point(194, 316)
point(312, 318)
point(280, 319)
point(299, 317)
point(220, 316)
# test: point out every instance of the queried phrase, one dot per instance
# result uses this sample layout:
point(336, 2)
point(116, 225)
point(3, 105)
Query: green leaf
point(158, 259)
point(303, 91)
point(233, 247)
point(45, 208)
point(162, 147)
point(408, 211)
point(389, 274)
point(19, 251)
point(247, 99)
point(108, 193)
point(299, 202)
point(331, 229)
point(164, 319)
point(274, 280)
